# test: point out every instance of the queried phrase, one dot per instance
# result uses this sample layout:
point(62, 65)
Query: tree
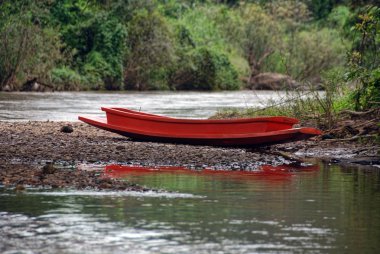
point(364, 58)
point(255, 33)
point(27, 49)
point(150, 49)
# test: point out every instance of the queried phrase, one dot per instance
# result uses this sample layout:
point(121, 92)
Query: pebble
point(48, 169)
point(67, 129)
point(19, 187)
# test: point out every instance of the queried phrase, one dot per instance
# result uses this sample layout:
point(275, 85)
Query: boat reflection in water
point(272, 173)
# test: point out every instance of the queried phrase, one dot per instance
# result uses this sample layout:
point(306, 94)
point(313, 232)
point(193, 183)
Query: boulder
point(6, 88)
point(35, 86)
point(272, 81)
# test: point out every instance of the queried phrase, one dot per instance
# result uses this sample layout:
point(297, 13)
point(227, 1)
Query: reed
point(317, 108)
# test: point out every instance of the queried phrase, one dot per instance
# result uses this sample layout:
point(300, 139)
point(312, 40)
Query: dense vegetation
point(188, 44)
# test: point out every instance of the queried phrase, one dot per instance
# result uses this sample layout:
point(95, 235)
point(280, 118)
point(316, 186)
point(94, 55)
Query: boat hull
point(216, 138)
point(180, 128)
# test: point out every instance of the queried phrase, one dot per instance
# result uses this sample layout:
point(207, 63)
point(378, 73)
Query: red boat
point(243, 132)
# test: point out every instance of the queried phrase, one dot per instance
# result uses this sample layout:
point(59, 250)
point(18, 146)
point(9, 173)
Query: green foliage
point(291, 13)
point(254, 33)
point(321, 8)
point(203, 60)
point(67, 79)
point(202, 26)
point(186, 44)
point(150, 49)
point(105, 41)
point(27, 49)
point(316, 51)
point(364, 62)
point(206, 70)
point(339, 17)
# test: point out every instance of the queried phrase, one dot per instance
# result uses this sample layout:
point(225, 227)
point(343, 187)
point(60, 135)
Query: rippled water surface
point(330, 210)
point(67, 106)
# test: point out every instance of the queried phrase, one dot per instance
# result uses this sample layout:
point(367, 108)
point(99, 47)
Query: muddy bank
point(40, 142)
point(32, 153)
point(30, 142)
point(27, 148)
point(19, 176)
point(343, 152)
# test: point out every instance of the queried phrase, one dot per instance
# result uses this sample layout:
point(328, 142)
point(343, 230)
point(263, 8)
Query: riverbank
point(31, 151)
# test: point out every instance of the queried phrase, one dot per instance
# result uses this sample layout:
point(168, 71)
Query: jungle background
point(192, 45)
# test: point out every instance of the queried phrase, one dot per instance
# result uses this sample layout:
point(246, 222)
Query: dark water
point(330, 210)
point(67, 106)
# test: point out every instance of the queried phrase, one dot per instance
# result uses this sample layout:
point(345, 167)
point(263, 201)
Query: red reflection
point(266, 171)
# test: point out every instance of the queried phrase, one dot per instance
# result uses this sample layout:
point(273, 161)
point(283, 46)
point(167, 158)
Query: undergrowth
point(314, 108)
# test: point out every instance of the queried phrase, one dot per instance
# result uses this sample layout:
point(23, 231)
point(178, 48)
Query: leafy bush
point(364, 60)
point(67, 79)
point(27, 49)
point(150, 50)
point(99, 45)
point(339, 17)
point(206, 70)
point(254, 33)
point(317, 51)
point(203, 57)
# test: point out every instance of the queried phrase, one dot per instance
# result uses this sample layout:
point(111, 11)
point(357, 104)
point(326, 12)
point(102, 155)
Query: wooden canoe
point(245, 132)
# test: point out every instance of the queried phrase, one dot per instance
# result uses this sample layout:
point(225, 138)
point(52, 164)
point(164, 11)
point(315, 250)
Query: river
point(66, 106)
point(330, 209)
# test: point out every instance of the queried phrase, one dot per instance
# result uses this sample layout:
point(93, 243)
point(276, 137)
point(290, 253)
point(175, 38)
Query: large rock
point(6, 88)
point(35, 86)
point(272, 81)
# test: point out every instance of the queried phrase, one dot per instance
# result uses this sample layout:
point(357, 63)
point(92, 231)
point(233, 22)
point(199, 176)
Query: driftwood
point(295, 160)
point(356, 137)
point(351, 130)
point(359, 113)
point(36, 85)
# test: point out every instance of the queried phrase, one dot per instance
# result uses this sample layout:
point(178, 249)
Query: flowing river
point(68, 105)
point(330, 209)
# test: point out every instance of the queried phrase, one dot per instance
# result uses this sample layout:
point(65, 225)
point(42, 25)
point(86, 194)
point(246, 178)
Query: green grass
point(311, 108)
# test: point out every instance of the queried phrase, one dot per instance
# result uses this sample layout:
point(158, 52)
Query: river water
point(329, 209)
point(66, 106)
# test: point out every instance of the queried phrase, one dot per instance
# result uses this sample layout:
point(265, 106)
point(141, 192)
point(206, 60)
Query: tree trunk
point(255, 65)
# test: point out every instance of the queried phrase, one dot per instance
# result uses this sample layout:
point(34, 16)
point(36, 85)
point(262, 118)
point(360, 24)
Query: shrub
point(317, 51)
point(364, 63)
point(27, 49)
point(100, 45)
point(206, 70)
point(150, 50)
point(65, 78)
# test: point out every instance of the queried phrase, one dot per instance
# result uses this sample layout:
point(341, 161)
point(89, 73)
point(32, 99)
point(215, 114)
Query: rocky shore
point(28, 149)
point(18, 176)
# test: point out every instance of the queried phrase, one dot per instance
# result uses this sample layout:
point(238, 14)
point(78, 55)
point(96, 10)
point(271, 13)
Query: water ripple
point(149, 194)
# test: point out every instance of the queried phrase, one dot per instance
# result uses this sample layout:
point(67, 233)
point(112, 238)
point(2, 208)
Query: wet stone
point(119, 148)
point(48, 169)
point(67, 129)
point(19, 187)
point(327, 136)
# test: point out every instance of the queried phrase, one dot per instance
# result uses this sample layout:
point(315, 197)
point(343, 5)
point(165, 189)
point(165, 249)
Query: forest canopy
point(186, 44)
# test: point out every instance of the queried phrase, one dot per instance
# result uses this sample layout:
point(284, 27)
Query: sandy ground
point(29, 149)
